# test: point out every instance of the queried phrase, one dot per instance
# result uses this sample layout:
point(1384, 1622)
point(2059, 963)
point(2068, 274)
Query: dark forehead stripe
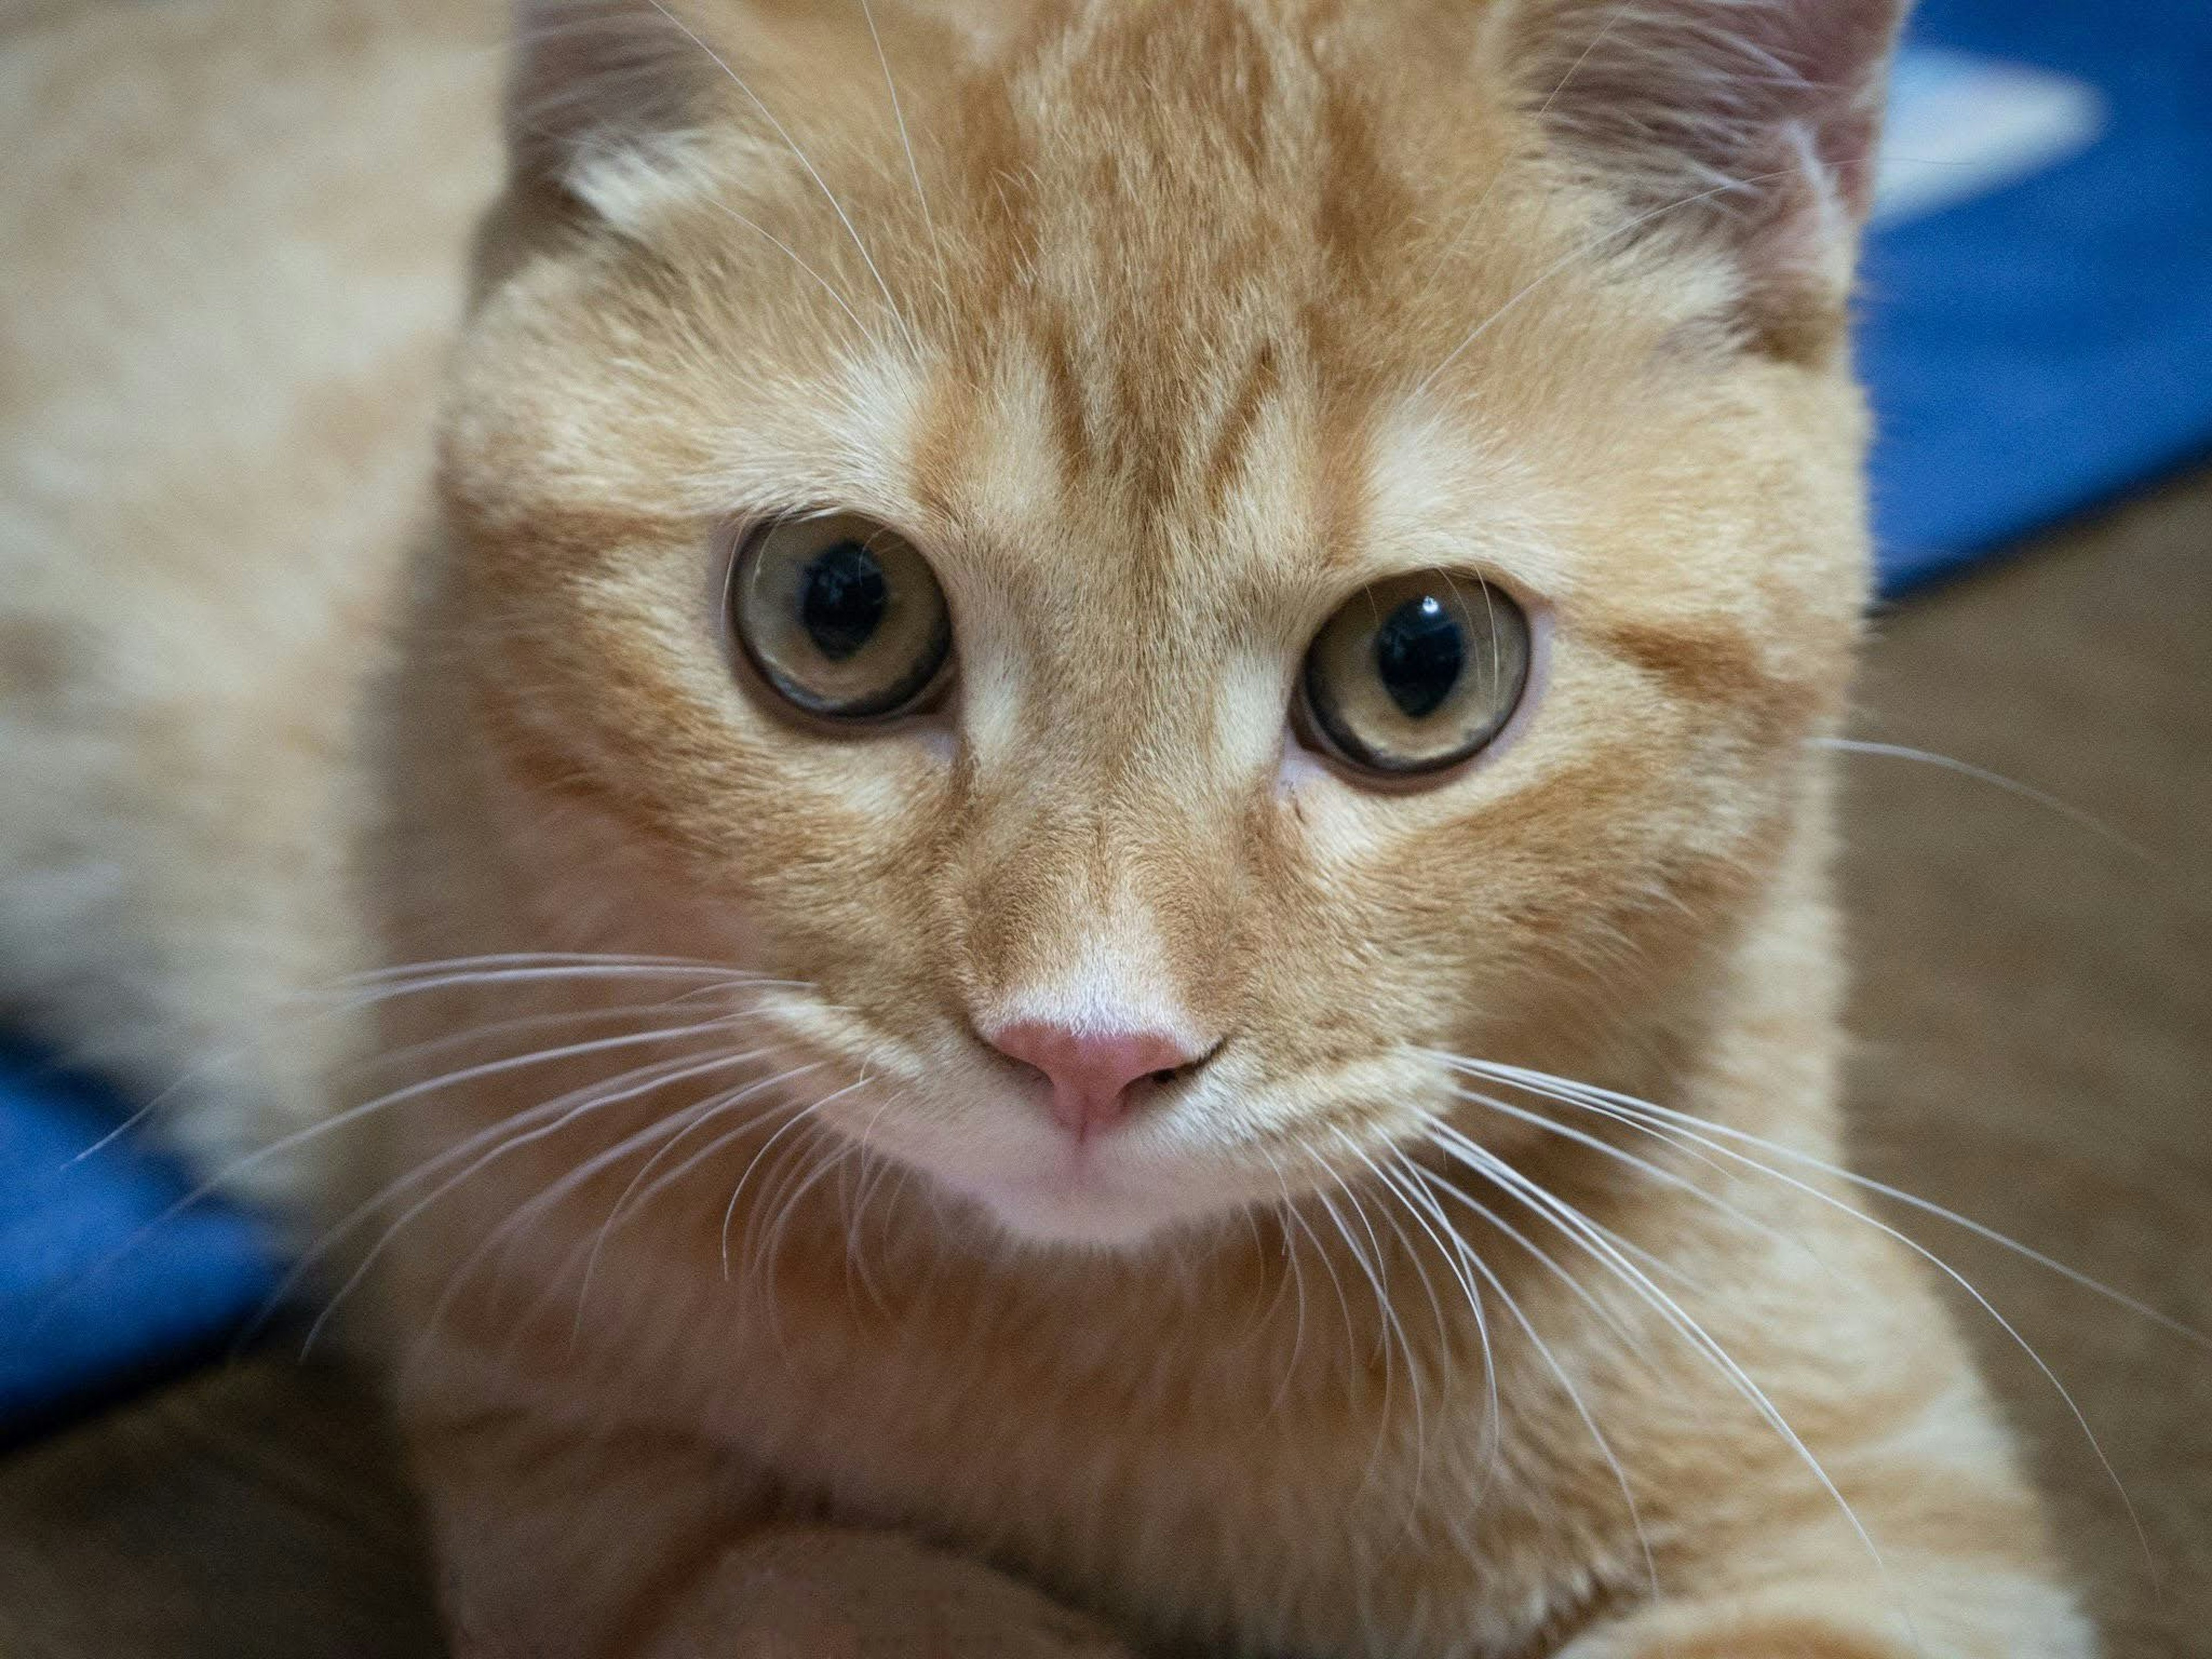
point(1186, 208)
point(1232, 437)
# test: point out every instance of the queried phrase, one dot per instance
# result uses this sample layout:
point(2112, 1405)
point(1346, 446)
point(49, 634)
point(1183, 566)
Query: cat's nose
point(1091, 1072)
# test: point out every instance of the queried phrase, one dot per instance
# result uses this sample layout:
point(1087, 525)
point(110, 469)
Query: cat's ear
point(1753, 121)
point(596, 81)
point(593, 78)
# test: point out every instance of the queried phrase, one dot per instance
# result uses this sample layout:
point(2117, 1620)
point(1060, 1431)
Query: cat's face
point(1385, 595)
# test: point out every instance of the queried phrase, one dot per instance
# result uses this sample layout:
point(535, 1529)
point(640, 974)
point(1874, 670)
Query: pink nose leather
point(1090, 1072)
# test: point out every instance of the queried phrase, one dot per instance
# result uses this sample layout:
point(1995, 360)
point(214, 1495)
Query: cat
point(1088, 825)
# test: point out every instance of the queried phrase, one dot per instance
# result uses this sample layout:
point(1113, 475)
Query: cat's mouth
point(1204, 1144)
point(988, 1137)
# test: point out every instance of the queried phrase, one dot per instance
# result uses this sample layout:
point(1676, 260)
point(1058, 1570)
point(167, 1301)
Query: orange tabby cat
point(1098, 836)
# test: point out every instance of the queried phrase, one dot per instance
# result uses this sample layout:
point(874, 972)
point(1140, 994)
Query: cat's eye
point(841, 615)
point(1417, 674)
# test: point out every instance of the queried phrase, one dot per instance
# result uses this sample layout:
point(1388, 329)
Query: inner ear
point(1750, 124)
point(595, 78)
point(606, 94)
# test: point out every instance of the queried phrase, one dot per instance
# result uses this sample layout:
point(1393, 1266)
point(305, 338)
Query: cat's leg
point(2023, 1619)
point(1819, 1595)
point(848, 1595)
point(574, 1543)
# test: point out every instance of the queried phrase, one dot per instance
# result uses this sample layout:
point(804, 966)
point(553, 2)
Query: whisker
point(1263, 1318)
point(886, 1175)
point(1575, 255)
point(1343, 1302)
point(1454, 1249)
point(1473, 1259)
point(1449, 1246)
point(875, 1169)
point(1605, 1315)
point(836, 295)
point(379, 986)
point(1542, 1082)
point(1386, 1326)
point(407, 1058)
point(527, 1213)
point(1642, 1166)
point(905, 140)
point(772, 1232)
point(1405, 1342)
point(675, 1176)
point(664, 1131)
point(729, 1215)
point(1283, 1216)
point(786, 1191)
point(1378, 1282)
point(712, 1109)
point(300, 1137)
point(529, 959)
point(835, 206)
point(1473, 216)
point(1413, 1253)
point(593, 1103)
point(667, 1131)
point(2050, 1376)
point(2077, 816)
point(707, 193)
point(1578, 1227)
point(867, 1139)
point(490, 1135)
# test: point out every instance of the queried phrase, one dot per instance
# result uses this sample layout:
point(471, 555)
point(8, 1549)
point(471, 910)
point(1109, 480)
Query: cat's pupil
point(842, 599)
point(1419, 654)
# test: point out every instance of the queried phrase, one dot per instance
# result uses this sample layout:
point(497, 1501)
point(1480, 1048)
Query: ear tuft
point(1751, 119)
point(593, 78)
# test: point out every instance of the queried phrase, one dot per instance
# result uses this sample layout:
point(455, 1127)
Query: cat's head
point(1168, 558)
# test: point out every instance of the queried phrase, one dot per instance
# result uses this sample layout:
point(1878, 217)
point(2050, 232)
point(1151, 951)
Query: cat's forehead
point(1258, 496)
point(1178, 280)
point(1185, 320)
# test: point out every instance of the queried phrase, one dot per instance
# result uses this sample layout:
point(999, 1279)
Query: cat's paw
point(1955, 1616)
point(1765, 1639)
point(834, 1595)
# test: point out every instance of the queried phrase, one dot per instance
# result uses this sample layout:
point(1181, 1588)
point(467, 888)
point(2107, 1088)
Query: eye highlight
point(841, 615)
point(1416, 674)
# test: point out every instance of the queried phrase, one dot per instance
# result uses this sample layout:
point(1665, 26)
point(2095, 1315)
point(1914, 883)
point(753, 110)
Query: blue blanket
point(2030, 352)
point(99, 1286)
point(2041, 348)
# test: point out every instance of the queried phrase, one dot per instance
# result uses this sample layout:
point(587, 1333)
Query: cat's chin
point(1081, 1212)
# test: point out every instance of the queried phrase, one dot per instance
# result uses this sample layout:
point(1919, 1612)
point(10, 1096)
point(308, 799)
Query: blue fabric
point(2045, 347)
point(98, 1285)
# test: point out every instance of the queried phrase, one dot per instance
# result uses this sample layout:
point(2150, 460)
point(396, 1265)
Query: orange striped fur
point(1163, 328)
